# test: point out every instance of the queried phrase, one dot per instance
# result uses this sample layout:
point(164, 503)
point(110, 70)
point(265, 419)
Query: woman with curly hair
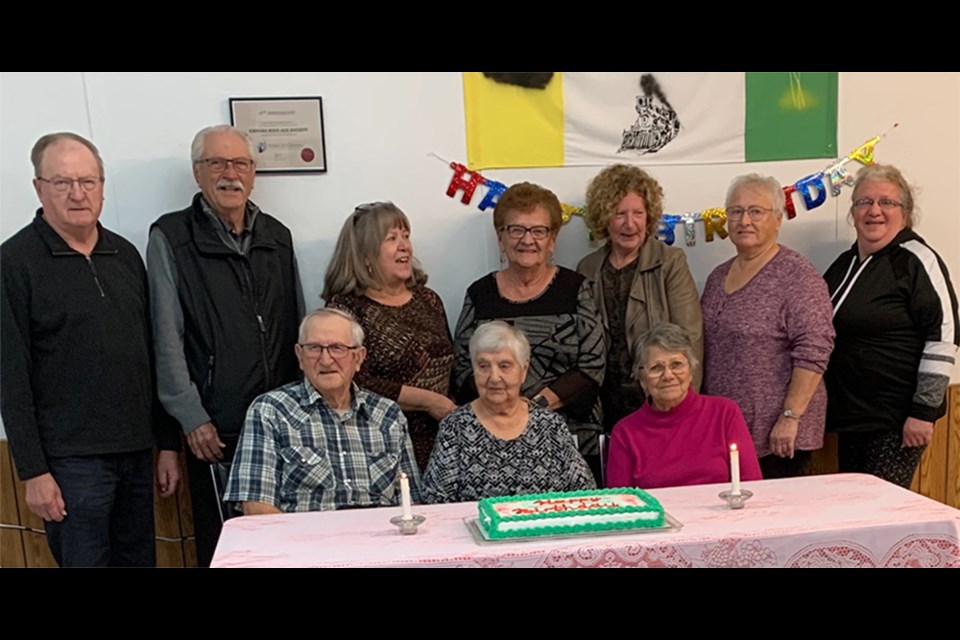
point(637, 281)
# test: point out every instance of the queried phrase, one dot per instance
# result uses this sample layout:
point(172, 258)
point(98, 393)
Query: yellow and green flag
point(581, 118)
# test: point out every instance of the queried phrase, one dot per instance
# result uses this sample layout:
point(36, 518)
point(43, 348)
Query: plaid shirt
point(298, 454)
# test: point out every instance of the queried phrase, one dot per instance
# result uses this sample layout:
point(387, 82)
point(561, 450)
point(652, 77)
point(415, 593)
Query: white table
point(843, 520)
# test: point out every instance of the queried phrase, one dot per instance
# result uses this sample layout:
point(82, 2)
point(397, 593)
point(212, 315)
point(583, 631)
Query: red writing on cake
point(568, 500)
point(561, 506)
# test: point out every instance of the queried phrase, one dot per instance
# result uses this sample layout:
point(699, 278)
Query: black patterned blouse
point(470, 463)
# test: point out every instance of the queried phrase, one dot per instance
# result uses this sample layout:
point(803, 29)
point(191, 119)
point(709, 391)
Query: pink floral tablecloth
point(844, 520)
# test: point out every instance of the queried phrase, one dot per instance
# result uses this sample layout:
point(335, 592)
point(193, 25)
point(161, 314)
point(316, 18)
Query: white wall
point(380, 128)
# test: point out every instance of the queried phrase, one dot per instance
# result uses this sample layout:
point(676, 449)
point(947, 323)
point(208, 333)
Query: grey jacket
point(663, 291)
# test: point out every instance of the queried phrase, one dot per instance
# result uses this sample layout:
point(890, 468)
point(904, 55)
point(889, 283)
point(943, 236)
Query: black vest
point(239, 312)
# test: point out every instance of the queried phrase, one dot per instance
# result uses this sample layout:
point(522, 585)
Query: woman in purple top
point(768, 331)
point(678, 437)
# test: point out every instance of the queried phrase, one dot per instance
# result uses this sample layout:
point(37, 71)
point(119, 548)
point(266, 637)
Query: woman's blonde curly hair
point(610, 186)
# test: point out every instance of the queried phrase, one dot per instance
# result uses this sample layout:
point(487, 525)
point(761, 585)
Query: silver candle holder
point(408, 526)
point(736, 500)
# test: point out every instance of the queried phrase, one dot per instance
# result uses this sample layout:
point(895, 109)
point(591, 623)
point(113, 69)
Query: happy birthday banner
point(812, 189)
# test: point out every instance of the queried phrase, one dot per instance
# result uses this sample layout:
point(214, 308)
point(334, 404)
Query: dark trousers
point(109, 505)
point(879, 453)
point(207, 484)
point(772, 466)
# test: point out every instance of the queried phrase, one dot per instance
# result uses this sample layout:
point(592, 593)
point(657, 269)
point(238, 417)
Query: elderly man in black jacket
point(226, 303)
point(79, 404)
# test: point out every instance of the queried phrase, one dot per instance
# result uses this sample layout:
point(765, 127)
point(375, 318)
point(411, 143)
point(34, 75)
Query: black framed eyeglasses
point(517, 231)
point(219, 165)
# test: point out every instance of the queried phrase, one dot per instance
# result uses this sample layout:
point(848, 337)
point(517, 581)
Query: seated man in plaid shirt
point(323, 442)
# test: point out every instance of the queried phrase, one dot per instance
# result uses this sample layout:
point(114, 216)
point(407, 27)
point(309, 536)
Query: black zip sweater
point(76, 370)
point(896, 319)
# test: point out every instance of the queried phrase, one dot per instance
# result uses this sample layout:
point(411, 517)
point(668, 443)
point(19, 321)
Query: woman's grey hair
point(667, 337)
point(493, 336)
point(200, 141)
point(355, 264)
point(889, 173)
point(41, 146)
point(767, 183)
point(355, 329)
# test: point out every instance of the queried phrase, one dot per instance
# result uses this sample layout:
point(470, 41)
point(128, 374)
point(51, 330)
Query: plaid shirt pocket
point(384, 474)
point(306, 471)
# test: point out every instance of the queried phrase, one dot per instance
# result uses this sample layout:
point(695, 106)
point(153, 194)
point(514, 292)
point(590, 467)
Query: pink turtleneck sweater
point(689, 444)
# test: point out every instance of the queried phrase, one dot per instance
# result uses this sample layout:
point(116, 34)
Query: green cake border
point(487, 513)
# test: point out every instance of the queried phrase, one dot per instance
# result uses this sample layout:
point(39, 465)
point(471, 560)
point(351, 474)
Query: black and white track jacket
point(895, 314)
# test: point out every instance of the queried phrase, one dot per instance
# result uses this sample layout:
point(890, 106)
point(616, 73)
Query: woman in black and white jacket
point(895, 314)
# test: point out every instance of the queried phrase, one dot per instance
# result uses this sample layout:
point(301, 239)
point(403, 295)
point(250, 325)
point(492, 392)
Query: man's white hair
point(200, 140)
point(355, 329)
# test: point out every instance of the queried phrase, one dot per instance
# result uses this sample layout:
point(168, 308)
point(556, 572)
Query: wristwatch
point(541, 401)
point(790, 413)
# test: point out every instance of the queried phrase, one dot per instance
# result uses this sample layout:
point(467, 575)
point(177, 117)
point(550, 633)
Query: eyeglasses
point(63, 185)
point(336, 350)
point(676, 368)
point(755, 213)
point(886, 204)
point(219, 165)
point(517, 231)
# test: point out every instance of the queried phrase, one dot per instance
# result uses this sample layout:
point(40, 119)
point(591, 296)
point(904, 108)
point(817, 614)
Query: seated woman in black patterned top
point(501, 444)
point(554, 308)
point(373, 274)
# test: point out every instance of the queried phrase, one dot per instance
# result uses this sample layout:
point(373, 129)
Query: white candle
point(735, 470)
point(405, 496)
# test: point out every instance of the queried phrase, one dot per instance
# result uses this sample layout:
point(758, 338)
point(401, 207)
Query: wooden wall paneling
point(11, 540)
point(932, 469)
point(190, 553)
point(8, 493)
point(825, 460)
point(183, 499)
point(170, 554)
point(11, 549)
point(915, 483)
point(185, 507)
point(36, 550)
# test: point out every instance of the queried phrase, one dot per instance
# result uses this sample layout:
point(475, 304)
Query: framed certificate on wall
point(287, 133)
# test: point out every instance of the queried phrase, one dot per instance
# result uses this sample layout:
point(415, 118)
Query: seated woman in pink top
point(678, 437)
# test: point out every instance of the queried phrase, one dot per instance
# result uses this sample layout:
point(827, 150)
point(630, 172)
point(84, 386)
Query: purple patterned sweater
point(755, 336)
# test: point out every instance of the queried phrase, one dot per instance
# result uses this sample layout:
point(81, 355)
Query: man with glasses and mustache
point(79, 404)
point(226, 301)
point(323, 443)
